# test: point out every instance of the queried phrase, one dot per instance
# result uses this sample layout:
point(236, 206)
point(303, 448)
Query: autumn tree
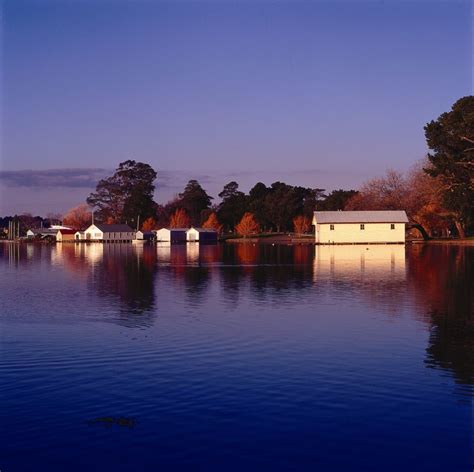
point(149, 224)
point(213, 223)
point(247, 225)
point(382, 193)
point(126, 195)
point(179, 219)
point(79, 217)
point(451, 139)
point(301, 224)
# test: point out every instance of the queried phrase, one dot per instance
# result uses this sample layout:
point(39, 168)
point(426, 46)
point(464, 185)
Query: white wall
point(351, 233)
point(192, 235)
point(163, 234)
point(95, 233)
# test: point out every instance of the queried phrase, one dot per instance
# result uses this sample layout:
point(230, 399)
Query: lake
point(236, 357)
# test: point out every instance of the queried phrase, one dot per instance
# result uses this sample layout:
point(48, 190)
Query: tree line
point(438, 193)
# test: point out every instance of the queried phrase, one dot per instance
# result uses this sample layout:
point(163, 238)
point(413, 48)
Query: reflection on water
point(223, 345)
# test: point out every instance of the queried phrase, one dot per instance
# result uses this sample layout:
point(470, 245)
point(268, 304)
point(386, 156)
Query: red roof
point(67, 231)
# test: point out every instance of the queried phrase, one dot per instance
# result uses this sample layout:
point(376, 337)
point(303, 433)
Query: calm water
point(236, 357)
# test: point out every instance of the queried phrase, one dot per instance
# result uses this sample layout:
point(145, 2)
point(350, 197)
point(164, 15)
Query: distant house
point(359, 227)
point(65, 235)
point(79, 235)
point(172, 235)
point(203, 235)
point(109, 233)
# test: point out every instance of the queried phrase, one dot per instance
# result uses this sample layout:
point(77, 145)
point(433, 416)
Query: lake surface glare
point(236, 357)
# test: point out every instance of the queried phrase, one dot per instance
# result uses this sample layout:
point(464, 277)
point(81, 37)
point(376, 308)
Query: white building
point(109, 233)
point(359, 227)
point(201, 235)
point(171, 235)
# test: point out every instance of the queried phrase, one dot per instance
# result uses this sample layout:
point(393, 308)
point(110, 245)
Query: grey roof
point(114, 228)
point(204, 230)
point(385, 216)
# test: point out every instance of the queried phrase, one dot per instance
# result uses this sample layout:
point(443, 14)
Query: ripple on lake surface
point(233, 357)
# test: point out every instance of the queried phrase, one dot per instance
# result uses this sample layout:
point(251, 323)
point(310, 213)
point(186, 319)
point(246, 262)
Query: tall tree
point(232, 206)
point(194, 200)
point(451, 139)
point(125, 195)
point(256, 204)
point(282, 203)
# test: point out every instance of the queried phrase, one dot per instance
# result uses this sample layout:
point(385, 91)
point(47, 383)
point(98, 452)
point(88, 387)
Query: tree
point(78, 217)
point(281, 204)
point(194, 200)
point(336, 200)
point(301, 224)
point(125, 195)
point(179, 219)
point(213, 223)
point(382, 193)
point(149, 224)
point(232, 206)
point(451, 139)
point(256, 204)
point(247, 225)
point(416, 193)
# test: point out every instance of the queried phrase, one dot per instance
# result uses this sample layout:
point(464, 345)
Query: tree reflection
point(444, 277)
point(128, 272)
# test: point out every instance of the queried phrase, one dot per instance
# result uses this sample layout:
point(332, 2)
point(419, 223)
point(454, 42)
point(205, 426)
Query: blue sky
point(321, 94)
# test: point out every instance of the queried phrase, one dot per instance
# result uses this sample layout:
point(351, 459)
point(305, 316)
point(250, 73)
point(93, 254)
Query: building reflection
point(377, 273)
point(376, 261)
point(434, 282)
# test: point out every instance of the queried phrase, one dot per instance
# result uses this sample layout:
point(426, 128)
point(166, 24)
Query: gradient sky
point(321, 94)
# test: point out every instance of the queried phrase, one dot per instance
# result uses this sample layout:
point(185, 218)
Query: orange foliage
point(213, 223)
point(301, 224)
point(179, 219)
point(78, 217)
point(247, 225)
point(149, 224)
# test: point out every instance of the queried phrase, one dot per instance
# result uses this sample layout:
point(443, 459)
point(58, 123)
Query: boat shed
point(65, 235)
point(109, 233)
point(172, 235)
point(144, 235)
point(360, 227)
point(202, 235)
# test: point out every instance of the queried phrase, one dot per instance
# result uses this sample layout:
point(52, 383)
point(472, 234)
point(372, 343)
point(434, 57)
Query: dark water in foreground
point(237, 357)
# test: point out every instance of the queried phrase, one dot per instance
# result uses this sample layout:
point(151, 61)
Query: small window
point(362, 226)
point(392, 226)
point(331, 227)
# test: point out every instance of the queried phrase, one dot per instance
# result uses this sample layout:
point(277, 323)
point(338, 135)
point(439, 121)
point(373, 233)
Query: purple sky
point(320, 94)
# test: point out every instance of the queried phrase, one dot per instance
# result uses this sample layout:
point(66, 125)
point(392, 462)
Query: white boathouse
point(359, 227)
